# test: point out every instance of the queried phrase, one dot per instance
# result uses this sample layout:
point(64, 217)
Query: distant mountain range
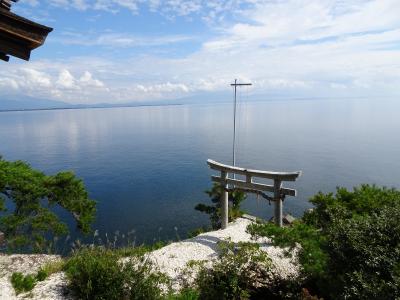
point(29, 103)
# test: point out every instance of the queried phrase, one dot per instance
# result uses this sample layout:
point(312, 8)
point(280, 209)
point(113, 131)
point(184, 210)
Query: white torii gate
point(250, 186)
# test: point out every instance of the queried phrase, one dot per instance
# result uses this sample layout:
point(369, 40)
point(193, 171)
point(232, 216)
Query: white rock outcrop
point(171, 259)
point(52, 288)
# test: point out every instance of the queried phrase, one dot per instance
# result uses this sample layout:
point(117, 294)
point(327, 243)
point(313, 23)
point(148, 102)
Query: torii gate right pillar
point(278, 203)
point(224, 203)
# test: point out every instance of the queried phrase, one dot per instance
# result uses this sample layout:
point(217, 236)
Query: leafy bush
point(143, 281)
point(33, 194)
point(185, 294)
point(22, 283)
point(350, 243)
point(42, 275)
point(365, 251)
point(96, 273)
point(312, 256)
point(195, 232)
point(50, 268)
point(25, 283)
point(362, 201)
point(243, 272)
point(235, 198)
point(138, 250)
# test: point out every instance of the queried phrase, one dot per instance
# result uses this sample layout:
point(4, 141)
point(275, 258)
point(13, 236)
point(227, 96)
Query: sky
point(116, 51)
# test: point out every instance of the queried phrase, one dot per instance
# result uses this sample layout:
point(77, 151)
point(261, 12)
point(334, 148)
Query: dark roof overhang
point(19, 36)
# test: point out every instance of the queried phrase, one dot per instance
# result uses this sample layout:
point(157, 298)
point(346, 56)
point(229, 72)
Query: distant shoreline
point(87, 107)
point(99, 106)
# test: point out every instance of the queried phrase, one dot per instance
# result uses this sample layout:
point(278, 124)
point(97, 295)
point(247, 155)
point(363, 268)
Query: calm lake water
point(146, 166)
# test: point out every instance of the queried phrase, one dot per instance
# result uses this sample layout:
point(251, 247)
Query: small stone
point(288, 219)
point(249, 217)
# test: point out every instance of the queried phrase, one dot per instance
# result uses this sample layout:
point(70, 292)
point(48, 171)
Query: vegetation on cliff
point(348, 246)
point(30, 221)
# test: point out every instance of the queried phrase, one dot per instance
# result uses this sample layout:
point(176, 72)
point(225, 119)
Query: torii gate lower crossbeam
point(250, 186)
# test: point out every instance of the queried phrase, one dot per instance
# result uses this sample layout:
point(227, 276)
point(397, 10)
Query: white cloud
point(120, 40)
point(32, 2)
point(80, 4)
point(114, 6)
point(66, 80)
point(31, 78)
point(208, 10)
point(88, 80)
point(129, 4)
point(284, 22)
point(50, 81)
point(8, 83)
point(293, 46)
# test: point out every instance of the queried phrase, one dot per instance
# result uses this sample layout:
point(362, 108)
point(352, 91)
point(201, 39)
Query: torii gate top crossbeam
point(283, 176)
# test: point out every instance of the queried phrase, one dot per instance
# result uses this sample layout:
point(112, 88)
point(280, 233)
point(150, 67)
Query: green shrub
point(50, 268)
point(312, 255)
point(96, 273)
point(143, 281)
point(243, 272)
point(365, 251)
point(185, 294)
point(350, 243)
point(195, 232)
point(22, 283)
point(32, 222)
point(138, 250)
point(41, 275)
point(25, 283)
point(362, 201)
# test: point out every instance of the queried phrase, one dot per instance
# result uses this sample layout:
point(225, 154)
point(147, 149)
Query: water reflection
point(146, 166)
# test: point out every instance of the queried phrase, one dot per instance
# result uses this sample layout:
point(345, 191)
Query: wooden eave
point(19, 36)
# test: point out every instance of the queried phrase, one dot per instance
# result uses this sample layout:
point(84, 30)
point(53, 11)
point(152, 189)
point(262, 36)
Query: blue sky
point(119, 51)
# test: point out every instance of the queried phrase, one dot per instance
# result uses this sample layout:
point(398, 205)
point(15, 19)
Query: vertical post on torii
point(278, 202)
point(234, 120)
point(224, 201)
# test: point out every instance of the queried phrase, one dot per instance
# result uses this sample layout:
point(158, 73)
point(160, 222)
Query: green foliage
point(362, 240)
point(25, 283)
point(143, 281)
point(34, 194)
point(243, 272)
point(365, 251)
point(42, 275)
point(311, 255)
point(22, 283)
point(184, 294)
point(50, 268)
point(138, 250)
point(195, 232)
point(350, 243)
point(96, 273)
point(235, 198)
point(362, 201)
